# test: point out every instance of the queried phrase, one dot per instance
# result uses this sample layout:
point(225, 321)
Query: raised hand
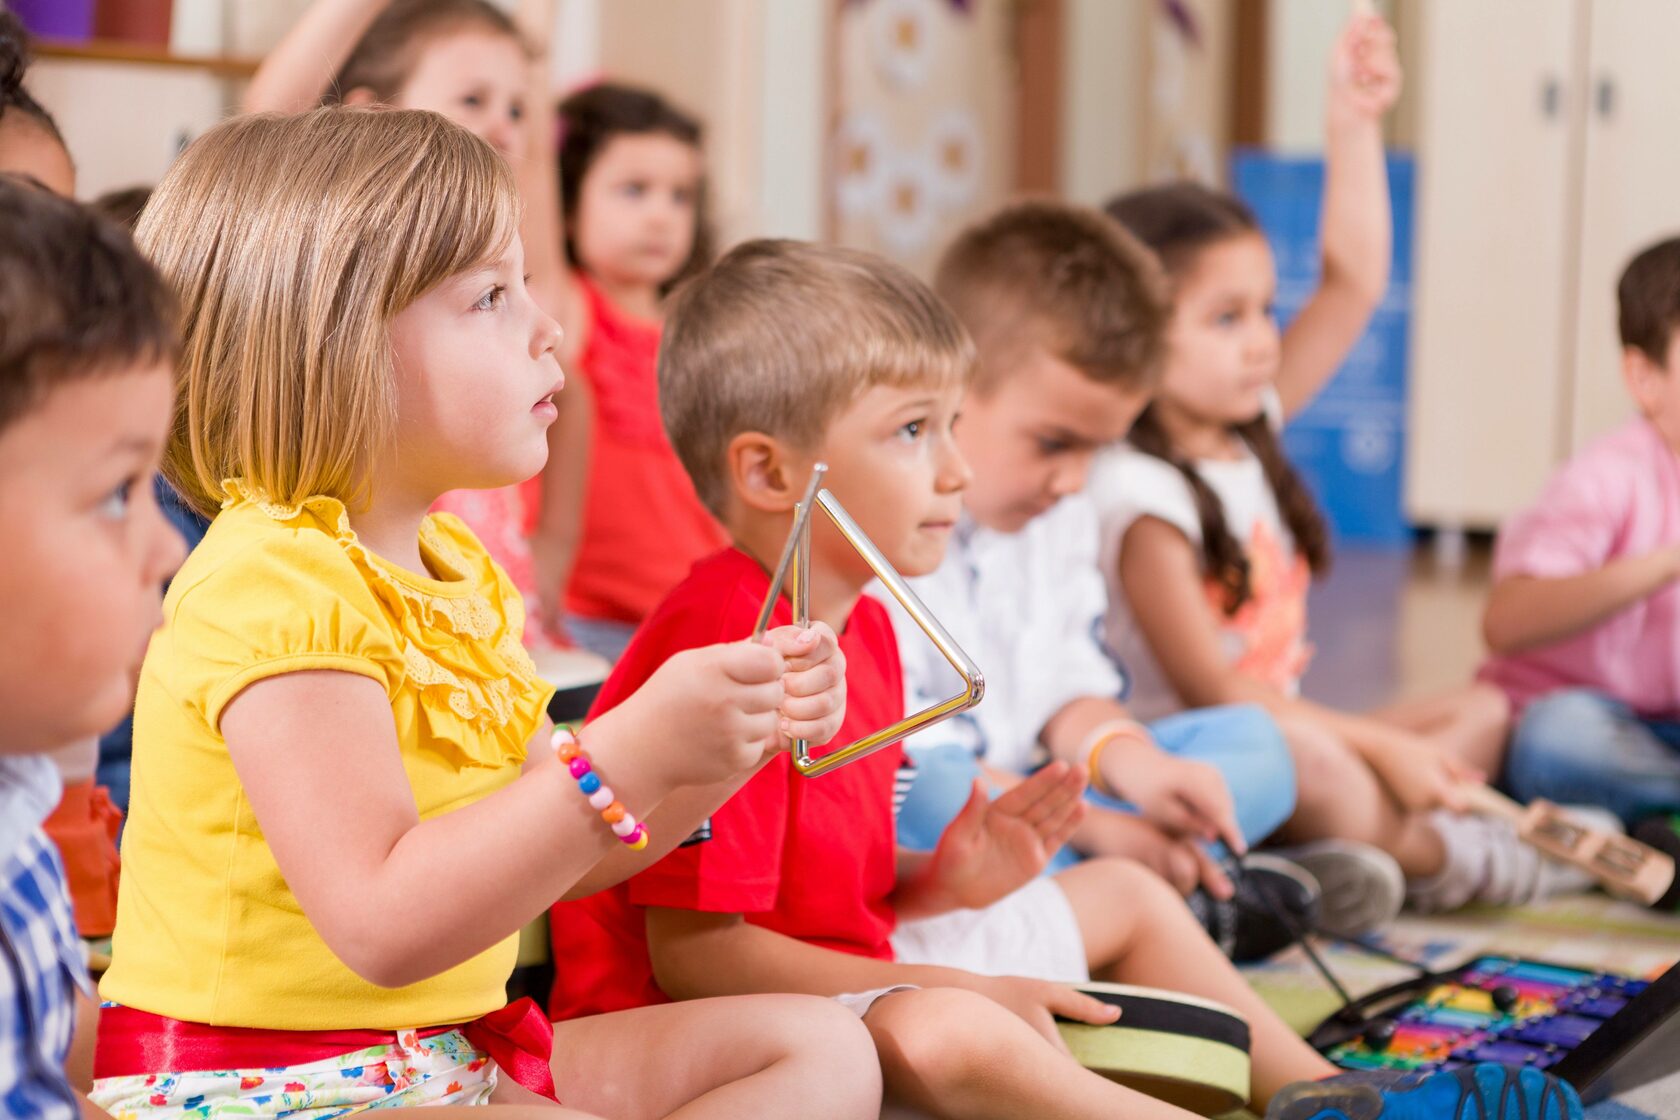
point(1365, 72)
point(994, 848)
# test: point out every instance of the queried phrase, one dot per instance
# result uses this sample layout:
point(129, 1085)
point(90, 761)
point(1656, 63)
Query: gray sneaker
point(1488, 863)
point(1362, 886)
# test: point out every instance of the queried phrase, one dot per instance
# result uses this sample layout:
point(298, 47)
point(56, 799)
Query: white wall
point(1104, 55)
point(793, 118)
point(1299, 36)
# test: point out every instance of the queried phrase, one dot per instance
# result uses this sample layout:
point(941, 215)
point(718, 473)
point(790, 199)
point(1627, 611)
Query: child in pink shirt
point(1584, 619)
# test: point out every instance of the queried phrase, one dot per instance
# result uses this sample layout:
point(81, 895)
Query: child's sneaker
point(1247, 927)
point(1662, 832)
point(1483, 1092)
point(1362, 886)
point(1488, 863)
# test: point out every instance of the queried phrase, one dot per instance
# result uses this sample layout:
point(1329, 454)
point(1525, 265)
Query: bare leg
point(758, 1056)
point(1138, 932)
point(1472, 722)
point(1339, 796)
point(957, 1054)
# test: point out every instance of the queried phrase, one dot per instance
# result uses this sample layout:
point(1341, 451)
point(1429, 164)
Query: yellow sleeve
point(287, 601)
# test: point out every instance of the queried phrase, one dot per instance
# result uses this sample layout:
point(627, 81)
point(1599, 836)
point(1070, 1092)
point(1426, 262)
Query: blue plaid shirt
point(41, 967)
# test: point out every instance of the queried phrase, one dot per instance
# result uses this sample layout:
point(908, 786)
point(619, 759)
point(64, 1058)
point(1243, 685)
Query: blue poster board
point(1350, 441)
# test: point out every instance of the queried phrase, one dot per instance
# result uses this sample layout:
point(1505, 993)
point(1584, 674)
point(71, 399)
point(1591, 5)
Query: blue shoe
point(1484, 1092)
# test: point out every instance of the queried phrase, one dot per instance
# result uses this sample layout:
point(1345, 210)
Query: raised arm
point(299, 69)
point(1355, 223)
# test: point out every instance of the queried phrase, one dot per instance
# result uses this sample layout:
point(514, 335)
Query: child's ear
point(763, 473)
point(1644, 379)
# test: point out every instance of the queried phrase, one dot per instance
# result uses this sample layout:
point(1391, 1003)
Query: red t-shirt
point(643, 524)
point(812, 858)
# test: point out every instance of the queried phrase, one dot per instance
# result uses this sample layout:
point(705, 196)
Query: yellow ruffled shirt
point(207, 930)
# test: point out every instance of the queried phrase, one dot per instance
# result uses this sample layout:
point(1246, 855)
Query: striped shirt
point(41, 968)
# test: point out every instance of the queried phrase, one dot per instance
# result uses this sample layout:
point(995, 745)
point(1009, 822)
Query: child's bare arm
point(317, 757)
point(1185, 797)
point(298, 70)
point(697, 955)
point(1160, 575)
point(559, 528)
point(1354, 226)
point(1524, 612)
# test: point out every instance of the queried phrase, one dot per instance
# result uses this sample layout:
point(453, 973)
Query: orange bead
point(613, 813)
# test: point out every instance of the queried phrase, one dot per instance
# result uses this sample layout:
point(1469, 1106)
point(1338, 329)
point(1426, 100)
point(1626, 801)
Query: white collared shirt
point(1028, 608)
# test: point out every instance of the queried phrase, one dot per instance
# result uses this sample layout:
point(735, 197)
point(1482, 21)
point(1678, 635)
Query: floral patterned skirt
point(438, 1070)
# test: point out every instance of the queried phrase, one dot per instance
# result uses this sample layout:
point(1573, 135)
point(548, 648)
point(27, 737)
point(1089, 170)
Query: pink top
point(1620, 497)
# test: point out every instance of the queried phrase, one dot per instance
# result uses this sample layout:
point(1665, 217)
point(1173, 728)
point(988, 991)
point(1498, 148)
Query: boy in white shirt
point(1068, 314)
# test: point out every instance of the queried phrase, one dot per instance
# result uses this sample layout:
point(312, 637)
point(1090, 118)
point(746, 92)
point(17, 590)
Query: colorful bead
point(600, 796)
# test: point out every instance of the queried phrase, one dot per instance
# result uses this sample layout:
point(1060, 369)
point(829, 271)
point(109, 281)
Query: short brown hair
point(1648, 298)
point(77, 299)
point(1064, 278)
point(292, 242)
point(385, 55)
point(780, 336)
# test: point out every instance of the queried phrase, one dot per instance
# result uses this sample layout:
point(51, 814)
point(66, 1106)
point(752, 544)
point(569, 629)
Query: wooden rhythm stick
point(1626, 867)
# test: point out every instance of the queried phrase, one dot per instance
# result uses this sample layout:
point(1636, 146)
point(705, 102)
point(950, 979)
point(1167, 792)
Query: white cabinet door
point(1497, 139)
point(125, 123)
point(1631, 188)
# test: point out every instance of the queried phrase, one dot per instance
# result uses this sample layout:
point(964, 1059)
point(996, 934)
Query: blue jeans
point(1583, 747)
point(1241, 742)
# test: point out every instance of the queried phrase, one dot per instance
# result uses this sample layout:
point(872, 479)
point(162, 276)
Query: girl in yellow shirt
point(344, 804)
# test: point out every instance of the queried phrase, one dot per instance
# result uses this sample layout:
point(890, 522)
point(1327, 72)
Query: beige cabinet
point(1546, 156)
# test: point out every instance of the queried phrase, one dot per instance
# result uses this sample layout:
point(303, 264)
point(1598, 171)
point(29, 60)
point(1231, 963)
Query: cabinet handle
point(1551, 97)
point(1605, 97)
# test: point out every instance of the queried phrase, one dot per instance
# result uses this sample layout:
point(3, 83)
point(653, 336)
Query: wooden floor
point(1394, 624)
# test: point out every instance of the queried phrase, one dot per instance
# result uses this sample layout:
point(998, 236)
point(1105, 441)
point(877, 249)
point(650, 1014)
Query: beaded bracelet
point(624, 826)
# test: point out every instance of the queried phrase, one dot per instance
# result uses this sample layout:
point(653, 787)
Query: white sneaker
point(1488, 863)
point(1362, 886)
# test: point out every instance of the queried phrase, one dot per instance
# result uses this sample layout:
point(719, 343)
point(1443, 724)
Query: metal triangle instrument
point(793, 571)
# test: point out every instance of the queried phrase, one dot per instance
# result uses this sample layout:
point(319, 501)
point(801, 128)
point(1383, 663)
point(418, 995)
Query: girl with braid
point(1211, 540)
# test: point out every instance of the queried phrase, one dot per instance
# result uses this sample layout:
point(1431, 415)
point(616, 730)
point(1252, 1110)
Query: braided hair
point(1178, 221)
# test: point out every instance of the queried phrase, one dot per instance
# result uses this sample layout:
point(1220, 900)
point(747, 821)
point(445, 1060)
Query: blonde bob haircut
point(291, 243)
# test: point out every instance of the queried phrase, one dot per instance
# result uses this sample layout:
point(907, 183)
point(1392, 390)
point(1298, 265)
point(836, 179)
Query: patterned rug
point(1588, 931)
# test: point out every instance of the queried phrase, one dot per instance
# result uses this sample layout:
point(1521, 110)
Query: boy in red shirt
point(782, 356)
